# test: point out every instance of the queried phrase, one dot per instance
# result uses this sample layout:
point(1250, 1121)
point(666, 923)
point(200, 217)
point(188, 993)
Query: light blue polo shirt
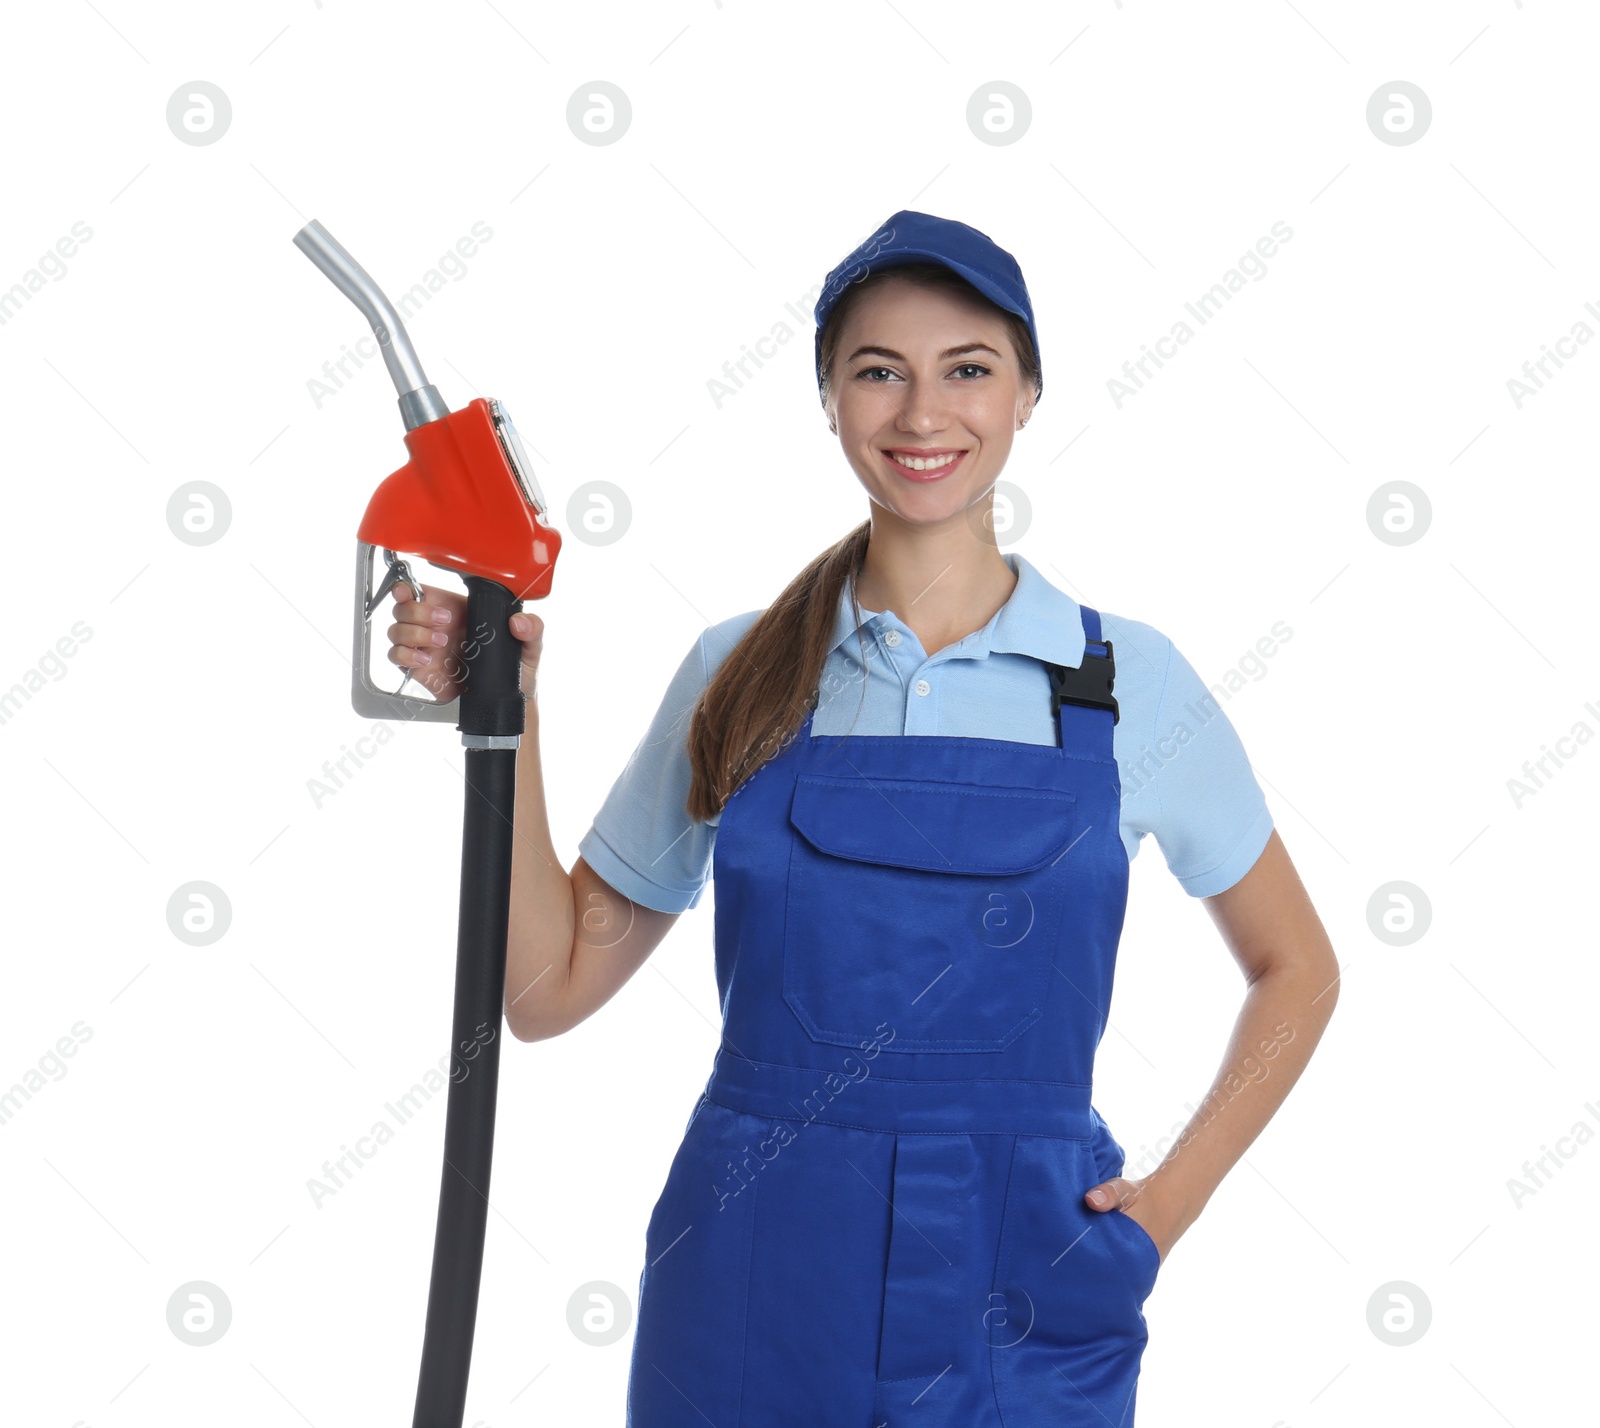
point(1185, 777)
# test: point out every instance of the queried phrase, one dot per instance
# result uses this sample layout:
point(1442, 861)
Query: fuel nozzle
point(466, 501)
point(420, 401)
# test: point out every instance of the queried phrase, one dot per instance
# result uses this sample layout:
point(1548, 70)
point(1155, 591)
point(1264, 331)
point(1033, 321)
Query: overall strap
point(1089, 687)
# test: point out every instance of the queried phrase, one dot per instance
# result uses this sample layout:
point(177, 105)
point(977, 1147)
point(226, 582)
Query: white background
point(176, 743)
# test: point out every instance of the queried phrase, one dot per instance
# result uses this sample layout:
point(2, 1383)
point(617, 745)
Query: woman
point(917, 779)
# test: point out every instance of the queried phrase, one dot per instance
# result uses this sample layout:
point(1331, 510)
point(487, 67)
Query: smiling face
point(926, 395)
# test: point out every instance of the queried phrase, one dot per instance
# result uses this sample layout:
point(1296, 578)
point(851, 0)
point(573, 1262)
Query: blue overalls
point(876, 1217)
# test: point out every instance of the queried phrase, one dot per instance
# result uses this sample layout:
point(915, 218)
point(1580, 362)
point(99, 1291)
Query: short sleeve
point(1211, 819)
point(642, 840)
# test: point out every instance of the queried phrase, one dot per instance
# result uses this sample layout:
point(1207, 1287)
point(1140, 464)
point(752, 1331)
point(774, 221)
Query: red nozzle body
point(459, 504)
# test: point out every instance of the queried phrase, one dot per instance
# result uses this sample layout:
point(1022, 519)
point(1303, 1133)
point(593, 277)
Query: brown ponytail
point(757, 699)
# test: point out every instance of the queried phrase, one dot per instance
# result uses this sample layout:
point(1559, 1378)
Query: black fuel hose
point(491, 705)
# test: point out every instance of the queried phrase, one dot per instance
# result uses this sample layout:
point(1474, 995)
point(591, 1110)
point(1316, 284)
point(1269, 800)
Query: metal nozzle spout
point(420, 401)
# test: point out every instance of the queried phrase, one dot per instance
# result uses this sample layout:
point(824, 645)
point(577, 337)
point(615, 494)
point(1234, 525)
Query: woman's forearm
point(1283, 1017)
point(540, 930)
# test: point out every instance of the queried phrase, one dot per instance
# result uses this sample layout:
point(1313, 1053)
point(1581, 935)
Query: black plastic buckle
point(1088, 684)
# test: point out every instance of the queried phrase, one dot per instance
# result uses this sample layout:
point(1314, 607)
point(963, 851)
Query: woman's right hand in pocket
point(426, 639)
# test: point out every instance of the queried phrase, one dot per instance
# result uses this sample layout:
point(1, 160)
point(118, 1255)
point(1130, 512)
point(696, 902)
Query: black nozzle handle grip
point(491, 697)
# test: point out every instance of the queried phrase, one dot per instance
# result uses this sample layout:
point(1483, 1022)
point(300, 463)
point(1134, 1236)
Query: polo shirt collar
point(1038, 620)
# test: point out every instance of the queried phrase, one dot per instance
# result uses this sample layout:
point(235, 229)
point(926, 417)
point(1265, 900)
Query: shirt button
point(892, 638)
point(922, 686)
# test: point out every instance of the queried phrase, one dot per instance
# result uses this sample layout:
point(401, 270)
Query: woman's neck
point(942, 590)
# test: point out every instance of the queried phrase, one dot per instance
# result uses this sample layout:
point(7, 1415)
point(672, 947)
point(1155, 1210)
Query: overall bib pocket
point(922, 914)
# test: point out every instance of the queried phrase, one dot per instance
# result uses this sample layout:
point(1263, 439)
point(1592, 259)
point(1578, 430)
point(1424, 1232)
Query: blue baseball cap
point(908, 236)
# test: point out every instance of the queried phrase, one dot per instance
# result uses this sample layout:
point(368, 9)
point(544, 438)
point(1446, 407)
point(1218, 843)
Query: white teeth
point(916, 463)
